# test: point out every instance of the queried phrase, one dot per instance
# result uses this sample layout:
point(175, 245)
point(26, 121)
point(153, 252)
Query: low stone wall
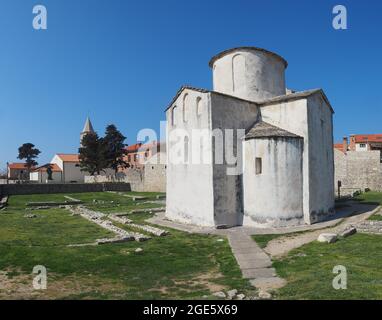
point(22, 189)
point(150, 179)
point(357, 171)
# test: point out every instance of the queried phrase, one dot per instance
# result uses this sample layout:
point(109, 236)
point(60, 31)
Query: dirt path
point(281, 246)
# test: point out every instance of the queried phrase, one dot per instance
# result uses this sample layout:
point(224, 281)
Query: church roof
point(262, 103)
point(88, 127)
point(263, 129)
point(223, 53)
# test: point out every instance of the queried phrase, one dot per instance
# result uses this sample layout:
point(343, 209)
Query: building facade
point(17, 171)
point(282, 170)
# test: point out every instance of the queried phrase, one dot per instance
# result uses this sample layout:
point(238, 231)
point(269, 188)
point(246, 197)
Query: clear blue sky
point(122, 61)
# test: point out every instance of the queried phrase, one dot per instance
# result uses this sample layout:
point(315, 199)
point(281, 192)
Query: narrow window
point(258, 166)
point(173, 115)
point(199, 106)
point(238, 73)
point(185, 150)
point(185, 107)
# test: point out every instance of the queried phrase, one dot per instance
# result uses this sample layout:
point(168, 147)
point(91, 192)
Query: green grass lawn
point(370, 197)
point(308, 269)
point(374, 198)
point(178, 266)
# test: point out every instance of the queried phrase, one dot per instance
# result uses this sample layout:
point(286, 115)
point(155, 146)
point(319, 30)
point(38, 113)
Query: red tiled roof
point(17, 165)
point(339, 147)
point(69, 157)
point(55, 168)
point(135, 147)
point(365, 138)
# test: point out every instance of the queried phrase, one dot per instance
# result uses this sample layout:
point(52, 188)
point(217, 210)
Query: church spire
point(88, 128)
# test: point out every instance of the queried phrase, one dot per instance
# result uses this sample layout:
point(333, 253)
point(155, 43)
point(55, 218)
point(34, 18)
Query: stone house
point(283, 171)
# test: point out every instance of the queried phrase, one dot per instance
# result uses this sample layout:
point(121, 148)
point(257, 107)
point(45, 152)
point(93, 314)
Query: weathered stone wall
point(150, 179)
point(357, 171)
point(20, 189)
point(154, 178)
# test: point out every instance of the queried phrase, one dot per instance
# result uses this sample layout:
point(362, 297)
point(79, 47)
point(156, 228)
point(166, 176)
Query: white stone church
point(284, 147)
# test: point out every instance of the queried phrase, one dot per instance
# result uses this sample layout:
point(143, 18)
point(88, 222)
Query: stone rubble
point(99, 218)
point(151, 210)
point(219, 294)
point(120, 219)
point(231, 294)
point(153, 230)
point(370, 226)
point(264, 295)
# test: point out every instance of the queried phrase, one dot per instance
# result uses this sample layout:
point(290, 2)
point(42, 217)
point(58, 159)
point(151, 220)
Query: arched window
point(185, 107)
point(238, 72)
point(173, 115)
point(186, 151)
point(199, 106)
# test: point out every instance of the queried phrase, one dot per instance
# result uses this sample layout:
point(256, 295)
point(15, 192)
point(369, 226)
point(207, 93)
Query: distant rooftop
point(68, 157)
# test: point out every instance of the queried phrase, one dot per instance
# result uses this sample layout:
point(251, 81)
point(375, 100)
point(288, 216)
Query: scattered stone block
point(327, 237)
point(219, 294)
point(29, 215)
point(240, 296)
point(264, 295)
point(138, 250)
point(231, 294)
point(348, 232)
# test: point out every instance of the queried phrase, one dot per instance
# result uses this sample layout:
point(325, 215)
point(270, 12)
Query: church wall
point(321, 159)
point(189, 186)
point(230, 113)
point(273, 194)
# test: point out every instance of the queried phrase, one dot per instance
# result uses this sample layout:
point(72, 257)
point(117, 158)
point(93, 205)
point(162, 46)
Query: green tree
point(91, 154)
point(29, 153)
point(114, 148)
